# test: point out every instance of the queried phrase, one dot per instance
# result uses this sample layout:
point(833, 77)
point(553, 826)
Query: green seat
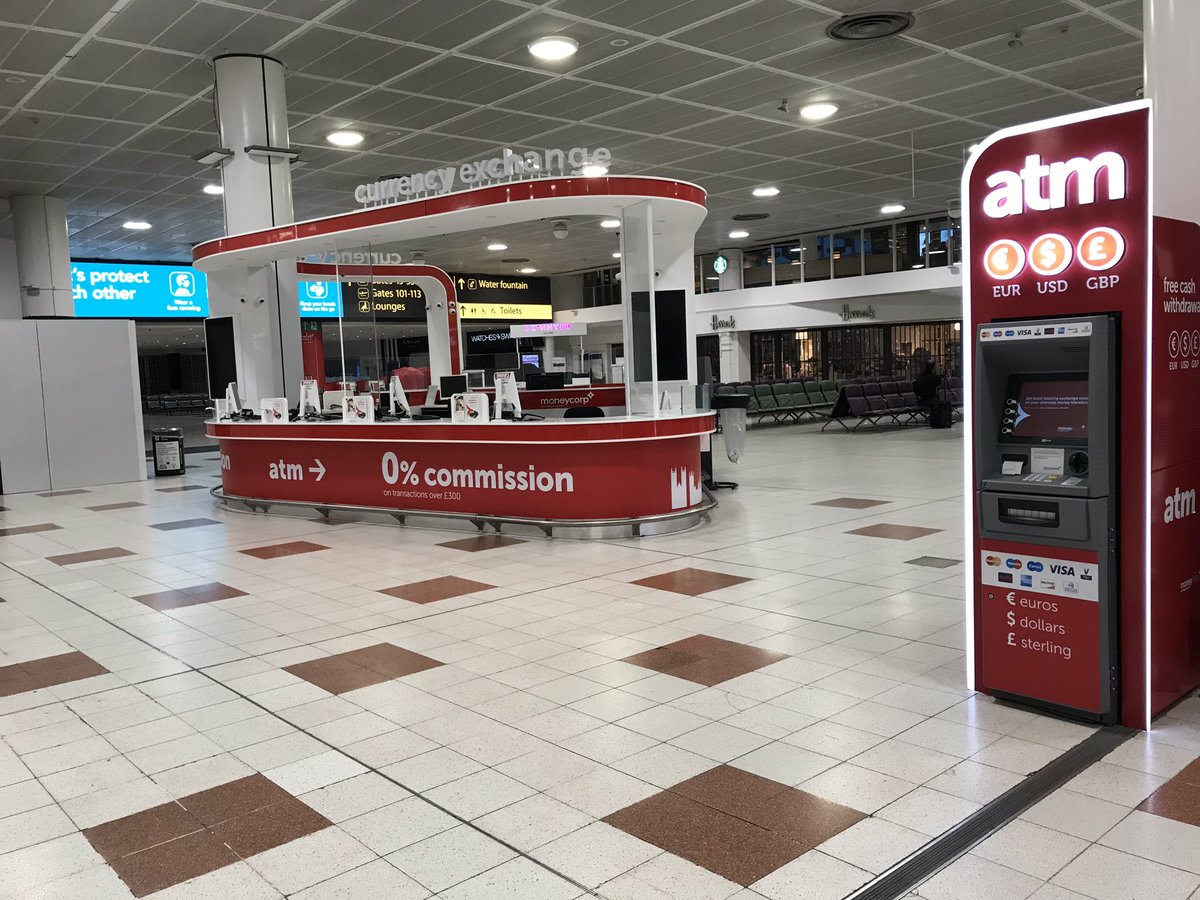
point(766, 404)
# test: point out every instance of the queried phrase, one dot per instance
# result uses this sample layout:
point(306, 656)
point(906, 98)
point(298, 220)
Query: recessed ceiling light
point(795, 249)
point(554, 47)
point(739, 234)
point(497, 246)
point(137, 226)
point(711, 278)
point(766, 190)
point(619, 42)
point(528, 270)
point(919, 265)
point(594, 171)
point(15, 79)
point(890, 209)
point(617, 255)
point(815, 112)
point(610, 223)
point(345, 138)
point(213, 189)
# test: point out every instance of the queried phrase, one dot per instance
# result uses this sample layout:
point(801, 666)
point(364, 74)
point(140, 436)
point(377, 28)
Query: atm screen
point(1044, 409)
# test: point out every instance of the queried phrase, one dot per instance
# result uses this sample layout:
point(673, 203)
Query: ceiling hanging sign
point(378, 300)
point(509, 165)
point(138, 291)
point(503, 297)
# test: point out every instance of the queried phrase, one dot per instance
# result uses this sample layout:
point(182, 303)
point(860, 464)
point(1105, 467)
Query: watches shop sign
point(133, 291)
point(508, 165)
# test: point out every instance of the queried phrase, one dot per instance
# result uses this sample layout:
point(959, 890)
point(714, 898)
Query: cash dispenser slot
point(1034, 513)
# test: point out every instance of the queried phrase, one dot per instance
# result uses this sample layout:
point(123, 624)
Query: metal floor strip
point(906, 875)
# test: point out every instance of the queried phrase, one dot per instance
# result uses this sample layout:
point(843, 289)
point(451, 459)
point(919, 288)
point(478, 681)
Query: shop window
point(943, 240)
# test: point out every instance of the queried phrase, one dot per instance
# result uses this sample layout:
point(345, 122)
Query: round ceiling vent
point(751, 217)
point(516, 259)
point(869, 26)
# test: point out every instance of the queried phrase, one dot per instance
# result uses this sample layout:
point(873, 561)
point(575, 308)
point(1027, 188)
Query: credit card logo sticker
point(1035, 566)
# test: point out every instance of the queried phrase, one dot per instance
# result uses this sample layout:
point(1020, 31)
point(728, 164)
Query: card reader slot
point(1036, 513)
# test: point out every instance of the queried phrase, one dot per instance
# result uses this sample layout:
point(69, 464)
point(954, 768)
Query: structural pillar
point(43, 257)
point(252, 127)
point(1172, 71)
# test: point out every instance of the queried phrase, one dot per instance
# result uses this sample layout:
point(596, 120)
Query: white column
point(43, 256)
point(252, 112)
point(10, 286)
point(1172, 62)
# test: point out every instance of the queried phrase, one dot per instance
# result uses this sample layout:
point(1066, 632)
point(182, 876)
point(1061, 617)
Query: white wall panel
point(24, 459)
point(92, 402)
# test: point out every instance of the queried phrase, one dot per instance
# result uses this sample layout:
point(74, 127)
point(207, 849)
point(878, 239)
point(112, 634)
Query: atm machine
point(1046, 507)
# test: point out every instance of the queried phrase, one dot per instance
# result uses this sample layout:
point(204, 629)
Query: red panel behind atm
point(1035, 216)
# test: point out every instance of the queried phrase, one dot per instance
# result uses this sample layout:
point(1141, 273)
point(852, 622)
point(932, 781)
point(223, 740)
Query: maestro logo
point(1013, 563)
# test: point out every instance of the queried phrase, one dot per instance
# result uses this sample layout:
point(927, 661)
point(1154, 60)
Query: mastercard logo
point(1004, 259)
point(1050, 254)
point(993, 560)
point(1101, 248)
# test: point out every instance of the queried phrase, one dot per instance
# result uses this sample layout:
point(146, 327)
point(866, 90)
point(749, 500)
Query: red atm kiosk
point(1083, 458)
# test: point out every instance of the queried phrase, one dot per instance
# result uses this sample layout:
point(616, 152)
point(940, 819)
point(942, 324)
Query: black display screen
point(1046, 409)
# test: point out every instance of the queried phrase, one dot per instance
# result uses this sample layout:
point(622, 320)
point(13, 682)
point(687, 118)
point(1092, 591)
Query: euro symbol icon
point(1012, 598)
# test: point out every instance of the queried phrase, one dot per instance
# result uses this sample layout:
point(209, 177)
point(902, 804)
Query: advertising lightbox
point(138, 291)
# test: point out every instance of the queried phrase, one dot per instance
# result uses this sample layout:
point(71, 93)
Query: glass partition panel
point(877, 249)
point(756, 267)
point(847, 254)
point(943, 242)
point(789, 262)
point(910, 245)
point(816, 250)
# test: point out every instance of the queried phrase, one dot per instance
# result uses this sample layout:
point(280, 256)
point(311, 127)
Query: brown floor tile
point(63, 668)
point(336, 675)
point(142, 830)
point(852, 503)
point(233, 799)
point(692, 582)
point(291, 548)
point(184, 523)
point(731, 847)
point(705, 660)
point(173, 863)
point(67, 493)
point(15, 680)
point(482, 542)
point(110, 507)
point(894, 532)
point(390, 660)
point(190, 596)
point(15, 530)
point(269, 827)
point(71, 559)
point(436, 589)
point(1190, 773)
point(1178, 800)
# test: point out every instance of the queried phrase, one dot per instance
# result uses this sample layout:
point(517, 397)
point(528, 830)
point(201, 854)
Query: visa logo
point(1085, 574)
point(1035, 566)
point(1059, 569)
point(1025, 332)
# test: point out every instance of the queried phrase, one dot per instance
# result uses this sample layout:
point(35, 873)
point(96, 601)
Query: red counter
point(559, 471)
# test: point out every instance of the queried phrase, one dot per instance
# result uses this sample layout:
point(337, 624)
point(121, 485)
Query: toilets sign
point(509, 165)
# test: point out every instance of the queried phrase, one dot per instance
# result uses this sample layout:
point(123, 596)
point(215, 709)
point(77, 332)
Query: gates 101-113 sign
point(509, 164)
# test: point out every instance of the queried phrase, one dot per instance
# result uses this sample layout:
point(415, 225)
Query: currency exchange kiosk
point(1045, 424)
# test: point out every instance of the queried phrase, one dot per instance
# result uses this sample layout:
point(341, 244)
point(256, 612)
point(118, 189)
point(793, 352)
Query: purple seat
point(871, 390)
point(889, 388)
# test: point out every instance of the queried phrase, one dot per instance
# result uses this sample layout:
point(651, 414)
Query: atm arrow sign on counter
point(318, 469)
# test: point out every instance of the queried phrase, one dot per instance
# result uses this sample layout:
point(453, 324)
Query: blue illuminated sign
point(319, 299)
point(133, 291)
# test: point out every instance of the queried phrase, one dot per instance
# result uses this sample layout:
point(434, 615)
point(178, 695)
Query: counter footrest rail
point(666, 523)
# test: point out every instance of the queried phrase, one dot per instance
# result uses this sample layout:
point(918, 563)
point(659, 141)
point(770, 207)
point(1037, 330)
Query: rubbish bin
point(167, 445)
point(732, 410)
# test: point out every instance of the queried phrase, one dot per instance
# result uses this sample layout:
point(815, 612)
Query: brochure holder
point(359, 409)
point(310, 398)
point(469, 409)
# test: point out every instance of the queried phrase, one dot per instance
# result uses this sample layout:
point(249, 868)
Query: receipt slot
point(1047, 470)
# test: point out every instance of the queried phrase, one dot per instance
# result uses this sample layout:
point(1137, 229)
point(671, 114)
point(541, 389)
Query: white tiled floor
point(533, 730)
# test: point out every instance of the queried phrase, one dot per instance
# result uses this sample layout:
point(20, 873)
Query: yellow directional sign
point(506, 311)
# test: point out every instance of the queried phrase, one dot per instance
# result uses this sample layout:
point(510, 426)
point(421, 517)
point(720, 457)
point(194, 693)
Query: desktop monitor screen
point(1044, 409)
point(449, 385)
point(551, 381)
point(531, 359)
